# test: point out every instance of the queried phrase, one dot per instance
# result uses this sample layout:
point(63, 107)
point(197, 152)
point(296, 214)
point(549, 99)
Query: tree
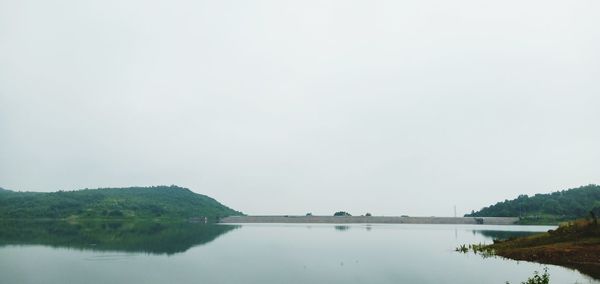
point(341, 213)
point(560, 205)
point(368, 214)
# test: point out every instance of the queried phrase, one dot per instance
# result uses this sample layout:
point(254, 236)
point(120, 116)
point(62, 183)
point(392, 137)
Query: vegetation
point(551, 208)
point(124, 236)
point(481, 249)
point(341, 213)
point(574, 244)
point(462, 248)
point(538, 279)
point(159, 202)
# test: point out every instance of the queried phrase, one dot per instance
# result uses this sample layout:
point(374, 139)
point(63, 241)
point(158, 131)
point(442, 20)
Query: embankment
point(574, 244)
point(371, 220)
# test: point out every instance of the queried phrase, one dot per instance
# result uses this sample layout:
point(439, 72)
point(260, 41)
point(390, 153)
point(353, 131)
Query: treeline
point(560, 205)
point(114, 203)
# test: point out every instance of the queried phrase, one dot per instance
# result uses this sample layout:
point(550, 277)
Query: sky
point(289, 107)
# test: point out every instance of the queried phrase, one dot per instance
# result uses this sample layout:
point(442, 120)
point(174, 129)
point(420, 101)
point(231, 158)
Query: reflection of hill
point(154, 238)
point(503, 235)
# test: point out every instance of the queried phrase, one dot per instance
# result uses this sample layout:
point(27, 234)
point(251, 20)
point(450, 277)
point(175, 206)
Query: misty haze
point(299, 141)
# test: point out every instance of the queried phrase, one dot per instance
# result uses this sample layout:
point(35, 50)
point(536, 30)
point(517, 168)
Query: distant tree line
point(565, 204)
point(344, 213)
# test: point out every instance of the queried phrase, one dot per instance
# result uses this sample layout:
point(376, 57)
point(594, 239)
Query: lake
point(114, 252)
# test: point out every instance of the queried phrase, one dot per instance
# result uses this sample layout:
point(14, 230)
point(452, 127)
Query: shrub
point(537, 278)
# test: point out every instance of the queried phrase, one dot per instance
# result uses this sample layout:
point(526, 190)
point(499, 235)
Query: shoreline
point(575, 244)
point(285, 219)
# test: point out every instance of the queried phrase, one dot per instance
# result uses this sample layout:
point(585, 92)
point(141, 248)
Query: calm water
point(257, 253)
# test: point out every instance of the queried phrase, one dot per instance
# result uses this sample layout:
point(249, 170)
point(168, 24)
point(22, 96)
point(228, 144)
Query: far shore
point(371, 220)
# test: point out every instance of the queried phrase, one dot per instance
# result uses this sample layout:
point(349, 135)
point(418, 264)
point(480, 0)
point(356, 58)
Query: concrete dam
point(371, 220)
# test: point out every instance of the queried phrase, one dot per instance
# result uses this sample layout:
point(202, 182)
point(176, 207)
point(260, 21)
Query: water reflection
point(257, 253)
point(144, 237)
point(503, 235)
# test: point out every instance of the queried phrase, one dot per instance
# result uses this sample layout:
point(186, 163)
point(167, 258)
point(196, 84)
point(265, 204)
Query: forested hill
point(560, 205)
point(122, 203)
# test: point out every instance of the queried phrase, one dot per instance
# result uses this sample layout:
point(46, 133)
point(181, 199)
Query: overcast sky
point(288, 107)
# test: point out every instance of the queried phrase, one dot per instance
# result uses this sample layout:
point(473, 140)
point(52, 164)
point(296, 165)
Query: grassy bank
point(574, 244)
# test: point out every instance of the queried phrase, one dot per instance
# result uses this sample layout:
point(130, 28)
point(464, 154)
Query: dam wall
point(371, 220)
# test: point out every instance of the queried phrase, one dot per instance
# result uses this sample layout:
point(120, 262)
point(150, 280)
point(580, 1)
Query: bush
point(537, 278)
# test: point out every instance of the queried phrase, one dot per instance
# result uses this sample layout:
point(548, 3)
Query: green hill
point(547, 208)
point(163, 202)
